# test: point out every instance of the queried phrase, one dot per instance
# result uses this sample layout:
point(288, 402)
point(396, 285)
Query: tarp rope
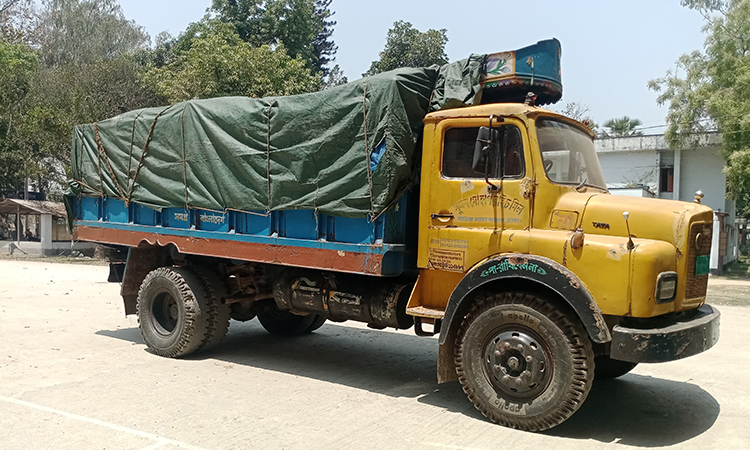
point(268, 155)
point(132, 138)
point(184, 158)
point(367, 152)
point(103, 152)
point(143, 155)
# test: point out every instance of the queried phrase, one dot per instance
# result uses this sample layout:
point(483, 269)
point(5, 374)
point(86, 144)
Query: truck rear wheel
point(283, 322)
point(522, 362)
point(606, 368)
point(218, 313)
point(173, 311)
point(316, 323)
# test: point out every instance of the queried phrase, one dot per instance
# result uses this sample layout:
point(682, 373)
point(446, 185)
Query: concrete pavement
point(75, 374)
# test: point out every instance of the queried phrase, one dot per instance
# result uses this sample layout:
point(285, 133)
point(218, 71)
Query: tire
point(522, 362)
point(173, 311)
point(317, 322)
point(218, 313)
point(606, 368)
point(284, 323)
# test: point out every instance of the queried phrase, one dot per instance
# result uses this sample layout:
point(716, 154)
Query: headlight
point(666, 287)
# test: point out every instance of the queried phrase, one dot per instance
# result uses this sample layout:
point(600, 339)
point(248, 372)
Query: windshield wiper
point(580, 185)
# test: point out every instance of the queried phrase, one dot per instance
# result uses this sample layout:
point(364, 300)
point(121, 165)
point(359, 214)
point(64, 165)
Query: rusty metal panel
point(314, 258)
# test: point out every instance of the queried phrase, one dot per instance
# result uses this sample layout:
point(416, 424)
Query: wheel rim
point(164, 314)
point(517, 363)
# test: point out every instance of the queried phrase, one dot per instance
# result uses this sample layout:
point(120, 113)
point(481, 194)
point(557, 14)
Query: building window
point(666, 179)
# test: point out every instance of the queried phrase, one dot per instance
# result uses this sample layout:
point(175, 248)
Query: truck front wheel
point(522, 362)
point(173, 311)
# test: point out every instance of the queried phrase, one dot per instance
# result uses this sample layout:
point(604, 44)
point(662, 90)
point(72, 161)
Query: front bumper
point(666, 338)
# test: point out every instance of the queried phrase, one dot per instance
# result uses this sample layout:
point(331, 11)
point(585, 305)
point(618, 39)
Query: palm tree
point(623, 126)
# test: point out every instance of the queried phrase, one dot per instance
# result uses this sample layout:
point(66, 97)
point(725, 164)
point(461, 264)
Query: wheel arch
point(522, 272)
point(140, 261)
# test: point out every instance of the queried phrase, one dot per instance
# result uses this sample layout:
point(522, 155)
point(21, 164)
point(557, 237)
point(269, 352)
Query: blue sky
point(611, 49)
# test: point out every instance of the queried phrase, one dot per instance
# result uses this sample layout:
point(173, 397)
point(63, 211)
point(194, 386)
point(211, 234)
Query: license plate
point(701, 265)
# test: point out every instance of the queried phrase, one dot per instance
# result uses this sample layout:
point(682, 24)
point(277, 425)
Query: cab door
point(465, 217)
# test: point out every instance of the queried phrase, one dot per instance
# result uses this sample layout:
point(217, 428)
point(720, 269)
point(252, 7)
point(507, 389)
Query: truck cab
point(534, 229)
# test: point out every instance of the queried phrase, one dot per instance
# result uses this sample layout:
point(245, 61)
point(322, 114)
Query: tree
point(324, 49)
point(622, 126)
point(220, 63)
point(16, 20)
point(86, 72)
point(79, 32)
point(408, 47)
point(579, 112)
point(17, 66)
point(710, 90)
point(334, 78)
point(303, 27)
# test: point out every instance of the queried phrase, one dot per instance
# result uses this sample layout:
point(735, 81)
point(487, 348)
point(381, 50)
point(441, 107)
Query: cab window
point(458, 153)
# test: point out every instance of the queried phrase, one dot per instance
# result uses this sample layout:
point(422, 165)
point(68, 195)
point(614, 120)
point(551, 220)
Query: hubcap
point(165, 314)
point(517, 364)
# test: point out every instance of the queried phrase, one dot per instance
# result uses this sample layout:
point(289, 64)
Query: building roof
point(33, 207)
point(651, 142)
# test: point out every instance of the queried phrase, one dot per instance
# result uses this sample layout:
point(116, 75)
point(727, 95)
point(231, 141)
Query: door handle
point(441, 216)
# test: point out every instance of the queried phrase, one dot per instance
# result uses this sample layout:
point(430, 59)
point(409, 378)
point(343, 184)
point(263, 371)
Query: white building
point(646, 163)
point(37, 228)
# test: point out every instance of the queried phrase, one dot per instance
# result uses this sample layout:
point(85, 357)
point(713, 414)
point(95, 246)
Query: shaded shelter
point(34, 227)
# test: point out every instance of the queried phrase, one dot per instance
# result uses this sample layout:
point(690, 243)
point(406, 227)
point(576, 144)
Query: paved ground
point(75, 374)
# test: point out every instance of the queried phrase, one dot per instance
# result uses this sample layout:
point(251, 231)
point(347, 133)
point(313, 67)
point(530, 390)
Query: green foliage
point(408, 47)
point(81, 69)
point(712, 91)
point(303, 27)
point(66, 62)
point(82, 31)
point(17, 66)
point(69, 95)
point(621, 126)
point(220, 63)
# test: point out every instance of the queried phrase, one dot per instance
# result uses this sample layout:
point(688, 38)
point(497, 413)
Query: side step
point(424, 315)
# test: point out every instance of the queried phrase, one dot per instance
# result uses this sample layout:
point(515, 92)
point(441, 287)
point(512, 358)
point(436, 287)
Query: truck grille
point(696, 285)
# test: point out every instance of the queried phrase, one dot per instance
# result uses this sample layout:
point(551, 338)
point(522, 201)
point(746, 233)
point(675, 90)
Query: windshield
point(568, 154)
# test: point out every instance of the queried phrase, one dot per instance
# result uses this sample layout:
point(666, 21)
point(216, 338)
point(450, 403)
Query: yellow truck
point(486, 222)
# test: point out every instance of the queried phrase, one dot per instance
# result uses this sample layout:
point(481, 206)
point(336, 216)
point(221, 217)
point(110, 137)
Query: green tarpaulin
point(347, 151)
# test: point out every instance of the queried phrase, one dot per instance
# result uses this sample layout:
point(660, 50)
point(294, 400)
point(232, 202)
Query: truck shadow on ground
point(633, 410)
point(642, 411)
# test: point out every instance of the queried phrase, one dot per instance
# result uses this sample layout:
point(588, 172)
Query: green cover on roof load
point(347, 151)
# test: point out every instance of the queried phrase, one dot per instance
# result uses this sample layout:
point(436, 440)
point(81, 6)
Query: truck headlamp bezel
point(664, 281)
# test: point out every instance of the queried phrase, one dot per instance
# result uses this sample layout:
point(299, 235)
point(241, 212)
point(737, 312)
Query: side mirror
point(484, 150)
